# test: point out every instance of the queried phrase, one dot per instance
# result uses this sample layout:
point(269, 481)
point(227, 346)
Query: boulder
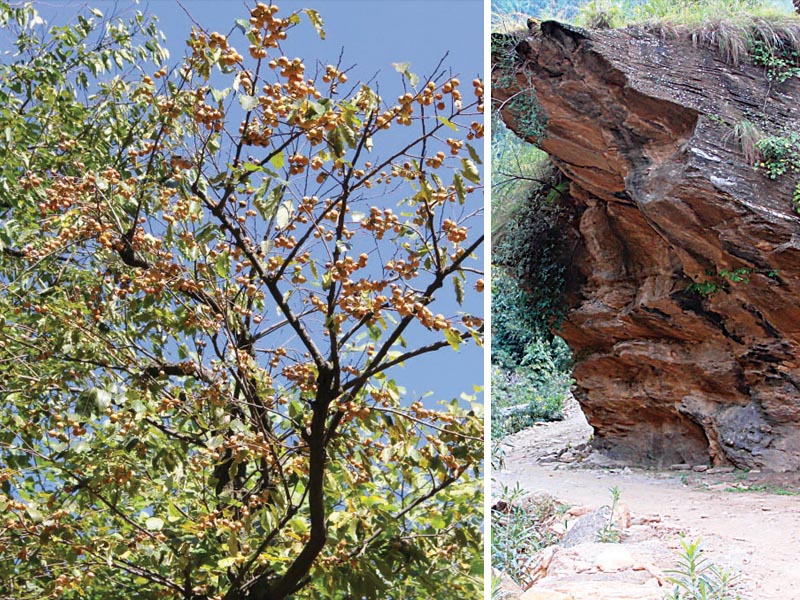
point(596, 571)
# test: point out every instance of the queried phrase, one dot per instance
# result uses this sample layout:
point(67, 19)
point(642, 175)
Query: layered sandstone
point(642, 126)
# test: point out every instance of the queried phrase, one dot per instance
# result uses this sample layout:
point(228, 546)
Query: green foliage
point(780, 61)
point(520, 528)
point(779, 154)
point(520, 399)
point(697, 578)
point(563, 10)
point(609, 533)
point(705, 289)
point(519, 170)
point(530, 367)
point(796, 197)
point(531, 249)
point(603, 14)
point(741, 275)
point(201, 304)
point(529, 121)
point(685, 13)
point(720, 281)
point(734, 28)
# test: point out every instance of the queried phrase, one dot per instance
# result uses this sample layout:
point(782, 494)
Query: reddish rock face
point(667, 371)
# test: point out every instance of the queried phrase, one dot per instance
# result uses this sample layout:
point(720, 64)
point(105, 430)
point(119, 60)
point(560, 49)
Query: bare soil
point(749, 521)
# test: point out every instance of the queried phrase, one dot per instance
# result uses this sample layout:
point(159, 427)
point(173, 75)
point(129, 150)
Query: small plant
point(737, 275)
point(763, 488)
point(796, 197)
point(531, 122)
point(498, 455)
point(520, 528)
point(718, 120)
point(779, 154)
point(705, 289)
point(498, 593)
point(747, 136)
point(610, 534)
point(779, 60)
point(697, 578)
point(719, 281)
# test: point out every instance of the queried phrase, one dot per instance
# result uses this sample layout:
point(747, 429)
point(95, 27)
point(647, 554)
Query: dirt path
point(756, 533)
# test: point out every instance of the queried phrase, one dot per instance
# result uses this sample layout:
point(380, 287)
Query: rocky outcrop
point(684, 286)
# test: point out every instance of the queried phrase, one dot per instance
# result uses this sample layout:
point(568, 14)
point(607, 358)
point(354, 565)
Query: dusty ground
point(749, 521)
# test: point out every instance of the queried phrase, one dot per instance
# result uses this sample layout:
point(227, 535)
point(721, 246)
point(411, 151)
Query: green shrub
point(779, 154)
point(520, 528)
point(532, 249)
point(530, 375)
point(610, 534)
point(697, 578)
point(780, 61)
point(518, 170)
point(527, 395)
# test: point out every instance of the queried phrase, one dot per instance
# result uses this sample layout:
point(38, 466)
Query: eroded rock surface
point(669, 372)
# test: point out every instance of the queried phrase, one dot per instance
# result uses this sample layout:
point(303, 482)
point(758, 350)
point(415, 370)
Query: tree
point(209, 277)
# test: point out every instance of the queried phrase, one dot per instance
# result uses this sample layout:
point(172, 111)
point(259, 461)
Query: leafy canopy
point(209, 272)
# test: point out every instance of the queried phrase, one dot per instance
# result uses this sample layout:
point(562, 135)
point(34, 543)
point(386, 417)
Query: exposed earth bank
point(748, 522)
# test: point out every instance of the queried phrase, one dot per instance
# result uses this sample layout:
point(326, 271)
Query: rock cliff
point(684, 286)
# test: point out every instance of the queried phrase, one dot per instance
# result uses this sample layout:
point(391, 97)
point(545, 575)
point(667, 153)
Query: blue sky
point(370, 35)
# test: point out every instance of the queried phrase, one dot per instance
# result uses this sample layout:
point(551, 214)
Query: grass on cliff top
point(730, 26)
point(605, 14)
point(727, 25)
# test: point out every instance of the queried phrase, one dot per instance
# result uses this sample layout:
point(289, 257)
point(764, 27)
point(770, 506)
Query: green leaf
point(474, 154)
point(316, 21)
point(458, 285)
point(154, 524)
point(250, 167)
point(222, 264)
point(448, 123)
point(85, 403)
point(248, 102)
point(284, 214)
point(34, 513)
point(348, 135)
point(227, 562)
point(102, 401)
point(453, 338)
point(336, 142)
point(219, 95)
point(278, 160)
point(403, 67)
point(470, 171)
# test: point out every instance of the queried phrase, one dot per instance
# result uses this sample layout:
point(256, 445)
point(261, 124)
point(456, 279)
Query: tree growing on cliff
point(209, 274)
